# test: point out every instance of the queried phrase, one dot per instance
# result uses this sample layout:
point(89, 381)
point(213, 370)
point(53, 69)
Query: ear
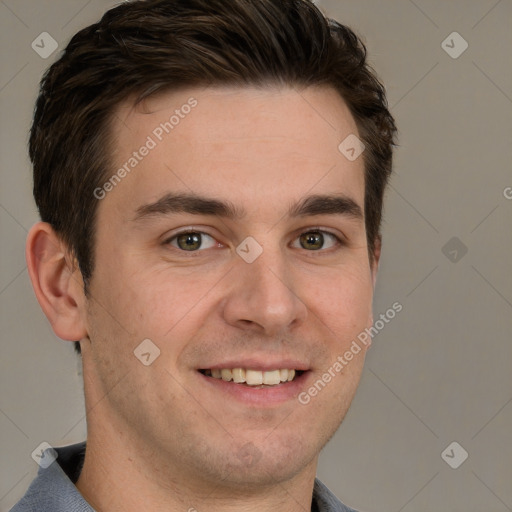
point(57, 282)
point(376, 258)
point(377, 246)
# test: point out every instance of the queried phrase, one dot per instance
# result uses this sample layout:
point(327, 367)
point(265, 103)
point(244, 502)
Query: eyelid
point(341, 239)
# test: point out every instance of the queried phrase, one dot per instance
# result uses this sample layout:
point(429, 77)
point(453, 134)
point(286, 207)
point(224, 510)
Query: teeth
point(238, 375)
point(272, 378)
point(226, 375)
point(253, 377)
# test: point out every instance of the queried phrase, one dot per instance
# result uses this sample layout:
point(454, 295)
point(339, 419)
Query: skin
point(160, 437)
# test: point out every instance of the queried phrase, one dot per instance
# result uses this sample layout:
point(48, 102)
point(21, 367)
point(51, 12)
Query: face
point(235, 241)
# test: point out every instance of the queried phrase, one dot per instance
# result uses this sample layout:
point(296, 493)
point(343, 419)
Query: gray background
point(437, 373)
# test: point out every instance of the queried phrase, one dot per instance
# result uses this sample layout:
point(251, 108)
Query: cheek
point(342, 299)
point(158, 303)
point(128, 291)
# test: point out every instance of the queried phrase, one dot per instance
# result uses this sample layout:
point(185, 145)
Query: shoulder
point(326, 501)
point(53, 490)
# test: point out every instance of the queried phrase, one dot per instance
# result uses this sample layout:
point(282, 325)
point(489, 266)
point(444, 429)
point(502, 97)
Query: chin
point(270, 461)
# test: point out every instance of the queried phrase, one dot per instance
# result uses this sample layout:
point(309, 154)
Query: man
point(209, 175)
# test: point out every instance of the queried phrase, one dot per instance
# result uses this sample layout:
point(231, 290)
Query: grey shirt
point(53, 490)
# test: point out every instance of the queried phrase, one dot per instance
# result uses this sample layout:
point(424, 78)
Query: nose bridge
point(271, 283)
point(263, 296)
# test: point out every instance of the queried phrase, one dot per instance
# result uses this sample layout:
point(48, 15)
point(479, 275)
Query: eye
point(316, 240)
point(192, 241)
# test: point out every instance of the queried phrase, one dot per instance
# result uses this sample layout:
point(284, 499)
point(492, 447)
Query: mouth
point(255, 379)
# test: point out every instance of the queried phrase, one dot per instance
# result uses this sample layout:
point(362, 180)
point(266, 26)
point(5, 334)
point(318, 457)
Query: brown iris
point(189, 241)
point(313, 240)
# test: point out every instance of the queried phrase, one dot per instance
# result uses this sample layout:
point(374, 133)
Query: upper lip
point(259, 364)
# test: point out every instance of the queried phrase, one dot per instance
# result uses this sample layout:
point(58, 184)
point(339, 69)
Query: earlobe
point(57, 285)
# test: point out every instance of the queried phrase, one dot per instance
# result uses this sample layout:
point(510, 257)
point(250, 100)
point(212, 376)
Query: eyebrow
point(188, 203)
point(337, 204)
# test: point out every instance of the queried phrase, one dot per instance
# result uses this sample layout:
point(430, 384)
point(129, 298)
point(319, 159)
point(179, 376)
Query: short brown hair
point(147, 46)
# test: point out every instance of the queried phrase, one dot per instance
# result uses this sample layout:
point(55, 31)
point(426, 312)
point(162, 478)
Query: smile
point(253, 377)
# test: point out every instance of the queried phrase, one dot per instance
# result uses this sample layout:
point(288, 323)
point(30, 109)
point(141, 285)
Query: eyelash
point(338, 241)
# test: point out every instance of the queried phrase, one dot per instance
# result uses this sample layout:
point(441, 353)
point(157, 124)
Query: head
point(262, 93)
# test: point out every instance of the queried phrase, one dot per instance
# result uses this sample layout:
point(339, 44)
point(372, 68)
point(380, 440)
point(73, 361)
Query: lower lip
point(271, 395)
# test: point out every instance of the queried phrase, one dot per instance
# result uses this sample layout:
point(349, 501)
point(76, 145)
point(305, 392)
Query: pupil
point(312, 241)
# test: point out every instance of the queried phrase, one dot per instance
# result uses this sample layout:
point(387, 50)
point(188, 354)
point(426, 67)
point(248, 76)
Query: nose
point(263, 298)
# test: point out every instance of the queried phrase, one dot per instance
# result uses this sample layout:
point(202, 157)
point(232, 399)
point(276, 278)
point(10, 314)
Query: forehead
point(255, 144)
